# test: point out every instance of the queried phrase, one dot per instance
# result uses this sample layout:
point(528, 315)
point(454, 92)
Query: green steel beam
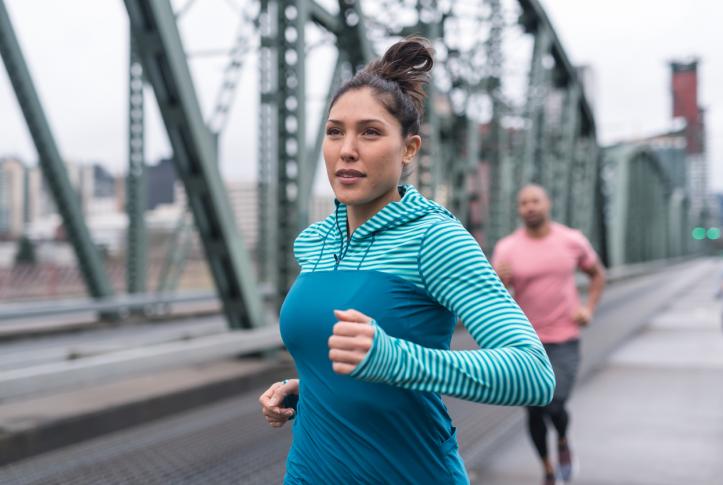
point(643, 209)
point(429, 161)
point(175, 261)
point(618, 171)
point(562, 183)
point(91, 266)
point(500, 214)
point(266, 253)
point(322, 17)
point(165, 67)
point(471, 166)
point(177, 255)
point(534, 17)
point(352, 38)
point(137, 240)
point(291, 22)
point(582, 187)
point(529, 170)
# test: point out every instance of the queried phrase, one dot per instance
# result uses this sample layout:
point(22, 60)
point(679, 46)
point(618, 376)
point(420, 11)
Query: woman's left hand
point(351, 340)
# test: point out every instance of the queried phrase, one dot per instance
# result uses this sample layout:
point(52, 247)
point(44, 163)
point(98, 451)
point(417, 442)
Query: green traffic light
point(699, 233)
point(713, 233)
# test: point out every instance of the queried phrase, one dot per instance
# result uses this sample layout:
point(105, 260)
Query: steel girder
point(352, 35)
point(267, 155)
point(500, 214)
point(51, 163)
point(175, 259)
point(430, 160)
point(533, 18)
point(160, 49)
point(583, 182)
point(291, 18)
point(462, 159)
point(643, 211)
point(561, 184)
point(287, 165)
point(530, 168)
point(182, 239)
point(137, 241)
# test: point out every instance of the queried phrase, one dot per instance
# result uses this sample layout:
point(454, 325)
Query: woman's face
point(364, 149)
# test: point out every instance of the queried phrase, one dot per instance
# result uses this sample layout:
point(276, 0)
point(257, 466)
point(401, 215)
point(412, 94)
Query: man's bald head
point(533, 205)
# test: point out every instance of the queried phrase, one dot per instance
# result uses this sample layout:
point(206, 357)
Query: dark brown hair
point(399, 79)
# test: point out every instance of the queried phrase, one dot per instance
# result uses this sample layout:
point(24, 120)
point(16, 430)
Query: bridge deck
point(228, 442)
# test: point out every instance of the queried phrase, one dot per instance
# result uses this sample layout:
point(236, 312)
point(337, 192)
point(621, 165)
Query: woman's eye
point(371, 132)
point(333, 131)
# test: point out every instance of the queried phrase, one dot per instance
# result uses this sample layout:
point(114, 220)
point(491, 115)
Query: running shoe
point(564, 463)
point(550, 479)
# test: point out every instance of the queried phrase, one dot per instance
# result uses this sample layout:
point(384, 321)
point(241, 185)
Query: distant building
point(12, 198)
point(161, 182)
point(684, 87)
point(243, 196)
point(104, 183)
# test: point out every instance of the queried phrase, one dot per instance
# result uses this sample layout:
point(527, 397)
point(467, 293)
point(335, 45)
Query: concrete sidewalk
point(652, 415)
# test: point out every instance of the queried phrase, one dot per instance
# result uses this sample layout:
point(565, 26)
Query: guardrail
point(157, 302)
point(141, 301)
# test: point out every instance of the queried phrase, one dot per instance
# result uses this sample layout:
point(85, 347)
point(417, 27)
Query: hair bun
point(407, 63)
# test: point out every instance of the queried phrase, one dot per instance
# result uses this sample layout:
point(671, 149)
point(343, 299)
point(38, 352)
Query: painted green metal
point(562, 205)
point(430, 161)
point(136, 196)
point(645, 212)
point(291, 19)
point(500, 214)
point(180, 244)
point(352, 37)
point(266, 253)
point(530, 168)
point(176, 255)
point(160, 49)
point(322, 17)
point(66, 199)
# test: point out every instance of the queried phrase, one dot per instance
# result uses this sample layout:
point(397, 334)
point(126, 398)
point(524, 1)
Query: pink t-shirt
point(543, 277)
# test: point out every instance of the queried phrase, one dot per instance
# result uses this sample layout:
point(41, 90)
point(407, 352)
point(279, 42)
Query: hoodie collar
point(412, 206)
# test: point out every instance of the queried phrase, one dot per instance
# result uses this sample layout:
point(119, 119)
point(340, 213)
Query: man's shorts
point(565, 360)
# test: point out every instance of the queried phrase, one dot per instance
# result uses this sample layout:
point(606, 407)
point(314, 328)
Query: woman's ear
point(411, 147)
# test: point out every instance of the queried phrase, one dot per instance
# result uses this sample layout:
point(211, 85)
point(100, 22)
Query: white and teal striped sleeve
point(510, 368)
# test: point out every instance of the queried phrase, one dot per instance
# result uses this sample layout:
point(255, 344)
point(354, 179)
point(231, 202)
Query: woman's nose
point(349, 149)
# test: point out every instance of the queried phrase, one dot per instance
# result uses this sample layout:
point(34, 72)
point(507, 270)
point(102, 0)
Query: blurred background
point(158, 158)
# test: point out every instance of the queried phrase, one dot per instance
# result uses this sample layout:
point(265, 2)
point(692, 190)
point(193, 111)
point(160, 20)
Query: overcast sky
point(77, 51)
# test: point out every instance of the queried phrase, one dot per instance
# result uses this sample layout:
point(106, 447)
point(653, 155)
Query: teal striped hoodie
point(423, 243)
point(415, 270)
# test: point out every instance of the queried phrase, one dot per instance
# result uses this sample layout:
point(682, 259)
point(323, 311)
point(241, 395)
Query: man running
point(538, 263)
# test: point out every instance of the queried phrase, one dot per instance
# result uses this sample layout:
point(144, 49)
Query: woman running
point(370, 318)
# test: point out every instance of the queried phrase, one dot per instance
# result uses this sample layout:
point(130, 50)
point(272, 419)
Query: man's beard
point(535, 223)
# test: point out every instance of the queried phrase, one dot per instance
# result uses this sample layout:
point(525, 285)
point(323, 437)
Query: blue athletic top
point(414, 269)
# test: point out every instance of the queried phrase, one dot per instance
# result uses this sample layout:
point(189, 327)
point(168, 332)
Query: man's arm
point(597, 283)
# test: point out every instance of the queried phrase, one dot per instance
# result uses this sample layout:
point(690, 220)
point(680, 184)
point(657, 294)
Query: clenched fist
point(272, 401)
point(351, 340)
point(582, 316)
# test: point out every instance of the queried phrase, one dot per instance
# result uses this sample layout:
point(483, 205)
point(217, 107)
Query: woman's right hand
point(272, 399)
